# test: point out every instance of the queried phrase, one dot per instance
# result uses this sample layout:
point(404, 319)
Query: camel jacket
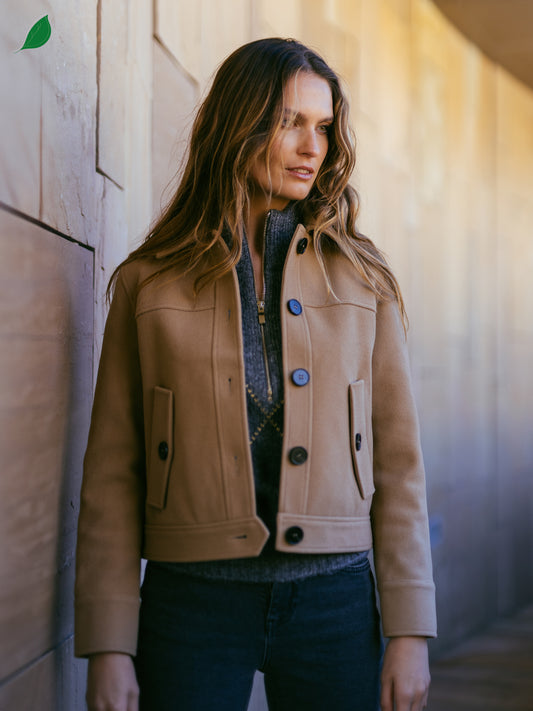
point(168, 472)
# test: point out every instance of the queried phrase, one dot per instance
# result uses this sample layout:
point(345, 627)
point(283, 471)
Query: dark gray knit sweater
point(265, 418)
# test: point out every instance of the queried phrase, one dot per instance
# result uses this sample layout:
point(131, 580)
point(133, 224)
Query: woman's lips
point(301, 172)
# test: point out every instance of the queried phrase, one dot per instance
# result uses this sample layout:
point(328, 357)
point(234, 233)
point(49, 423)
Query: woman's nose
point(309, 143)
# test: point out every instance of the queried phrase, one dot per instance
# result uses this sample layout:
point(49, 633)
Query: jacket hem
point(240, 538)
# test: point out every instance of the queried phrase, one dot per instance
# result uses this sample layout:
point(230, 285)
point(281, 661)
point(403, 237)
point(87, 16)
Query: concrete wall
point(94, 129)
point(74, 188)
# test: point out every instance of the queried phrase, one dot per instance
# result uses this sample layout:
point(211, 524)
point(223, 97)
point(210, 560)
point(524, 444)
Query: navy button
point(300, 377)
point(298, 455)
point(294, 535)
point(294, 307)
point(162, 450)
point(301, 246)
point(357, 442)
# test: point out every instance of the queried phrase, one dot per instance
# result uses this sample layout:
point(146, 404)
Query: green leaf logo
point(38, 35)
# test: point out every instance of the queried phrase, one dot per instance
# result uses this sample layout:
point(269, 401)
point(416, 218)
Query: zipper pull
point(261, 311)
point(262, 320)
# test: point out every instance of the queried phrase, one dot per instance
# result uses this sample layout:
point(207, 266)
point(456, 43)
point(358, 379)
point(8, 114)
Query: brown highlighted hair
point(236, 124)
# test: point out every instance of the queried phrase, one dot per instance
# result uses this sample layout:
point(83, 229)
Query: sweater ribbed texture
point(265, 419)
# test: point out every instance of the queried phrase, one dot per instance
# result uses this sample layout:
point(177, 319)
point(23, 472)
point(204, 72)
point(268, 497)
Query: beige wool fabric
point(168, 472)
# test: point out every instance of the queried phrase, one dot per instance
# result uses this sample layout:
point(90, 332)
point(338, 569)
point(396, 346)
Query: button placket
point(298, 397)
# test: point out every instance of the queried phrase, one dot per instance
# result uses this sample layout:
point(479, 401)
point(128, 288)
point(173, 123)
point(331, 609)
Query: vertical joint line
point(98, 71)
point(41, 157)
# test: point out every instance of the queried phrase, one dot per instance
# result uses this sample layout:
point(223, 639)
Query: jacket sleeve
point(402, 551)
point(112, 497)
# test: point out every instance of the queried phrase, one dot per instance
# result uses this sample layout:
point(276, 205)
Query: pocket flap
point(161, 447)
point(362, 461)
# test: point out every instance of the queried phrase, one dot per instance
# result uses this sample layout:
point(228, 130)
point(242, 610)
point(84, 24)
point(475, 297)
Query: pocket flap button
point(162, 450)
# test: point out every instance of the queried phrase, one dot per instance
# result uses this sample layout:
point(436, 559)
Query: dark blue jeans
point(316, 640)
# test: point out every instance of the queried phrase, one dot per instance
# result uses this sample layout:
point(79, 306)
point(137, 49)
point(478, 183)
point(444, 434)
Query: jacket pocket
point(161, 448)
point(361, 459)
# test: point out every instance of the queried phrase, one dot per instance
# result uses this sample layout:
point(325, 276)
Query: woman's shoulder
point(154, 283)
point(134, 272)
point(135, 269)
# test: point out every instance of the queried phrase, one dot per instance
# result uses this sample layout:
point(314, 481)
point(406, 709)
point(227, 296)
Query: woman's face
point(300, 149)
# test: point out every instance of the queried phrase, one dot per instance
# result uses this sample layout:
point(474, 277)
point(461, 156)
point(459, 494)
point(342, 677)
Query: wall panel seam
point(44, 226)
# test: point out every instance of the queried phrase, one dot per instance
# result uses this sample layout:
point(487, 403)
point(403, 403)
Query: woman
point(254, 430)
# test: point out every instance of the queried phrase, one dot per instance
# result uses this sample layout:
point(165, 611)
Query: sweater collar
point(281, 224)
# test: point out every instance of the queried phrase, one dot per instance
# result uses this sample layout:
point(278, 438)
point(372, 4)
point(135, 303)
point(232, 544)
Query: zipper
point(262, 319)
point(261, 315)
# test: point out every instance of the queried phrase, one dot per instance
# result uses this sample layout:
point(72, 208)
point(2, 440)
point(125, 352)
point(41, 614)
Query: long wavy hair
point(236, 125)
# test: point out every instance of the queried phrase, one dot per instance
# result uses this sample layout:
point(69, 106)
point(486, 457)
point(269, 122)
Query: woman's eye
point(325, 128)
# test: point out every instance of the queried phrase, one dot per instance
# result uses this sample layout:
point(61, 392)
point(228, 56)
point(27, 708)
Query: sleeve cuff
point(106, 626)
point(408, 609)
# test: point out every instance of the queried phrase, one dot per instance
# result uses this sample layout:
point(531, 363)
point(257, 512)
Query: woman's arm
point(402, 551)
point(110, 527)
